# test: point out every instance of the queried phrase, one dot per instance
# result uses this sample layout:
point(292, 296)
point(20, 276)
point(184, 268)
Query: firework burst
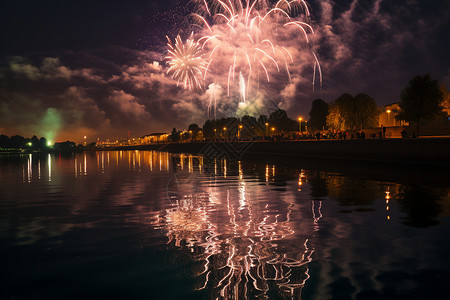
point(239, 43)
point(186, 64)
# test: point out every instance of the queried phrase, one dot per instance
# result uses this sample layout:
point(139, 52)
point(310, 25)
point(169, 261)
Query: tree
point(175, 135)
point(420, 100)
point(43, 143)
point(4, 141)
point(318, 114)
point(366, 112)
point(350, 113)
point(282, 122)
point(193, 130)
point(446, 98)
point(17, 141)
point(339, 113)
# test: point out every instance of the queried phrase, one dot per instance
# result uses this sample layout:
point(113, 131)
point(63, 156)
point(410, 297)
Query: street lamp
point(224, 132)
point(273, 130)
point(300, 124)
point(267, 129)
point(239, 131)
point(389, 113)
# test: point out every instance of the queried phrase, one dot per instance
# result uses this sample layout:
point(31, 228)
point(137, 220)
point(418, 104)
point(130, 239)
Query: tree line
point(422, 99)
point(276, 123)
point(18, 142)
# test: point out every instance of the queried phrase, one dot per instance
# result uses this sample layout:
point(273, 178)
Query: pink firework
point(185, 61)
point(254, 40)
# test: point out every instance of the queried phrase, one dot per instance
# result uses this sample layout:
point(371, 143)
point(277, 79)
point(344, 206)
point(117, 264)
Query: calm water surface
point(154, 225)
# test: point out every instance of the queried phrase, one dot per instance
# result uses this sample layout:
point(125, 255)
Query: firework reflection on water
point(243, 246)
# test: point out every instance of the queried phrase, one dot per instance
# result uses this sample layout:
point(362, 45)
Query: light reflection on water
point(246, 229)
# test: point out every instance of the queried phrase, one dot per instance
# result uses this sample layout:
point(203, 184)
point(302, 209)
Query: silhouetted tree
point(194, 131)
point(282, 122)
point(365, 112)
point(318, 115)
point(420, 99)
point(43, 143)
point(4, 141)
point(17, 141)
point(175, 135)
point(251, 127)
point(208, 129)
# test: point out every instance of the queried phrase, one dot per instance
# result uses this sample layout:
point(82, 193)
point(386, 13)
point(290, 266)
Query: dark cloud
point(103, 100)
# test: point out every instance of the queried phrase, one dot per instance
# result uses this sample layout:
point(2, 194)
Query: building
point(388, 114)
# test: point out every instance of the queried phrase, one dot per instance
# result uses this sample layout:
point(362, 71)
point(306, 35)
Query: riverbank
point(429, 151)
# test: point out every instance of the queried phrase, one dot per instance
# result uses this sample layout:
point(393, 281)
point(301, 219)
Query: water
point(154, 225)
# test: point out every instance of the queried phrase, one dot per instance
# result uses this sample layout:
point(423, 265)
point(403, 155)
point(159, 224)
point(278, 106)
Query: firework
point(242, 42)
point(186, 64)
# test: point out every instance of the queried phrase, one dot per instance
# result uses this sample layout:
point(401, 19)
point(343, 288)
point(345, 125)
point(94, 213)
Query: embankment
point(427, 151)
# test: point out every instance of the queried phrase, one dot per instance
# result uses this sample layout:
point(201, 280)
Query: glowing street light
point(389, 113)
point(239, 131)
point(300, 124)
point(267, 128)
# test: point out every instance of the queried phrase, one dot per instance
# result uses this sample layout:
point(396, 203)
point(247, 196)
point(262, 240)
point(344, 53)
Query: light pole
point(239, 131)
point(267, 129)
point(225, 132)
point(389, 113)
point(300, 124)
point(273, 130)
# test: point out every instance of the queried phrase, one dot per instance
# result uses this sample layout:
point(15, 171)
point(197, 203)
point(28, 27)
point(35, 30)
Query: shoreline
point(420, 151)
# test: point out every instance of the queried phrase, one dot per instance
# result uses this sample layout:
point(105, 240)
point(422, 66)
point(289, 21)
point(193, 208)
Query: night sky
point(95, 68)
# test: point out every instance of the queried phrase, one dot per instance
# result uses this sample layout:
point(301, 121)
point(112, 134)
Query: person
point(384, 131)
point(404, 133)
